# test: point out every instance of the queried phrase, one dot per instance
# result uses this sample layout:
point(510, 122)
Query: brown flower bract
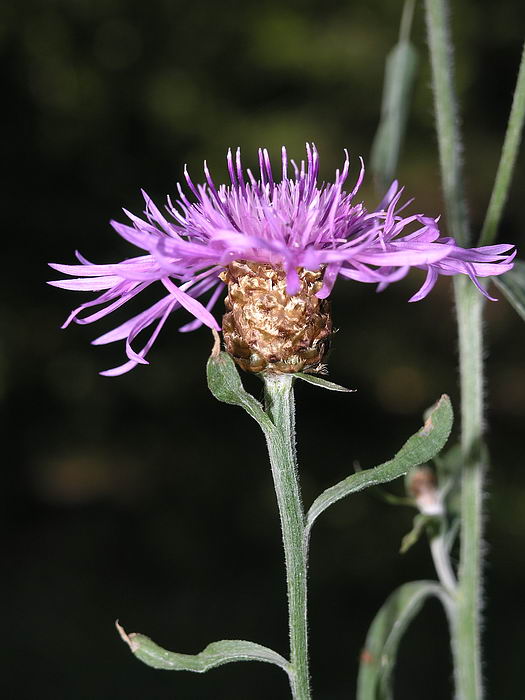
point(266, 329)
point(422, 483)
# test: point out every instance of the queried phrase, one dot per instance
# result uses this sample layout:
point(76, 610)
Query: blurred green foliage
point(102, 97)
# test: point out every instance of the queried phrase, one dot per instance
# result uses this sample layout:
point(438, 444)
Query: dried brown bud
point(423, 487)
point(266, 329)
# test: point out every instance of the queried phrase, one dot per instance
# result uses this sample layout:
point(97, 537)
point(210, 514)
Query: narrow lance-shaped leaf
point(512, 284)
point(507, 163)
point(379, 654)
point(422, 522)
point(323, 383)
point(225, 384)
point(400, 73)
point(421, 447)
point(215, 654)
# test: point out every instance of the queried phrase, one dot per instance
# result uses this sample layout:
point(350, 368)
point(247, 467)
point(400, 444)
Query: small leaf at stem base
point(225, 384)
point(215, 654)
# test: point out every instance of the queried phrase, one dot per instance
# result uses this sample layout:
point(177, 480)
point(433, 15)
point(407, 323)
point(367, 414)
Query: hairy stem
point(442, 564)
point(406, 20)
point(466, 636)
point(447, 123)
point(279, 400)
point(465, 618)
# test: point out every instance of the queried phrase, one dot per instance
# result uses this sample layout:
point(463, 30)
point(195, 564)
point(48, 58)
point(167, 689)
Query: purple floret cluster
point(291, 221)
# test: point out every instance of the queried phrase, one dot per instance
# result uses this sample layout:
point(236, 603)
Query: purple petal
point(123, 331)
point(86, 285)
point(122, 293)
point(118, 371)
point(193, 325)
point(329, 279)
point(139, 357)
point(382, 276)
point(293, 283)
point(413, 254)
point(192, 305)
point(427, 285)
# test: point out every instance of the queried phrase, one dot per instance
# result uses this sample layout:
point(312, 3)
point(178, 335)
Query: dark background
point(141, 497)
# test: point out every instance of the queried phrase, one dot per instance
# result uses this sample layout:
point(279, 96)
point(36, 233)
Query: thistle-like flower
point(279, 245)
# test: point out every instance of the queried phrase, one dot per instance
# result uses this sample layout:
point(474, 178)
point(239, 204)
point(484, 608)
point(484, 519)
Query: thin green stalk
point(279, 405)
point(442, 564)
point(465, 618)
point(405, 26)
point(509, 153)
point(447, 124)
point(466, 632)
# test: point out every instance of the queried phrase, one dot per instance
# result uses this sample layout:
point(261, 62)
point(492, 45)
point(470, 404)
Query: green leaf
point(379, 654)
point(386, 496)
point(449, 463)
point(512, 284)
point(421, 447)
point(422, 523)
point(391, 498)
point(400, 73)
point(324, 383)
point(216, 654)
point(448, 466)
point(225, 384)
point(507, 163)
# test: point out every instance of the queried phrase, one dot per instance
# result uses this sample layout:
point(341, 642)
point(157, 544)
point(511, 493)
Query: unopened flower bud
point(268, 330)
point(423, 487)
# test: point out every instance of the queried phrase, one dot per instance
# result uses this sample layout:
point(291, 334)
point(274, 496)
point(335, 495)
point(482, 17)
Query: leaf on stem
point(449, 463)
point(507, 163)
point(225, 384)
point(216, 654)
point(400, 74)
point(422, 522)
point(323, 383)
point(421, 447)
point(386, 496)
point(391, 498)
point(379, 654)
point(448, 467)
point(512, 284)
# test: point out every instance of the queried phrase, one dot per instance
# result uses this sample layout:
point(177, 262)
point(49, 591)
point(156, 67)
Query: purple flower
point(291, 222)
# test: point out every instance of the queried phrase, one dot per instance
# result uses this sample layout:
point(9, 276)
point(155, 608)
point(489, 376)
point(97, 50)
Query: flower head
point(291, 223)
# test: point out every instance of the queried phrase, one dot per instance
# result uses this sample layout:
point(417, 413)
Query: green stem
point(447, 124)
point(466, 630)
point(465, 617)
point(509, 153)
point(279, 400)
point(441, 559)
point(405, 26)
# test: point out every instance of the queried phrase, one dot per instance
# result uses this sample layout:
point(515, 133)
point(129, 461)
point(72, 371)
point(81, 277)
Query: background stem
point(466, 630)
point(407, 17)
point(465, 618)
point(442, 564)
point(279, 400)
point(447, 123)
